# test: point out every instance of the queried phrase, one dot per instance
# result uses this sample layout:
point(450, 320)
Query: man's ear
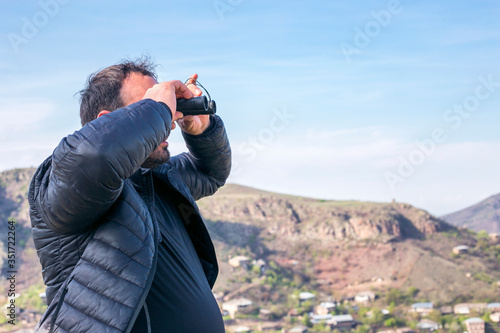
point(102, 113)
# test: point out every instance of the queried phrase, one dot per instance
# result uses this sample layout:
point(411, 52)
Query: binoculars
point(196, 106)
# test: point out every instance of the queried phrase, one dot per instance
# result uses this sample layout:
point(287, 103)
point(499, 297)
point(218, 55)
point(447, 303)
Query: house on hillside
point(324, 308)
point(318, 319)
point(475, 325)
point(462, 308)
point(495, 317)
point(423, 308)
point(265, 314)
point(446, 310)
point(242, 329)
point(428, 325)
point(306, 296)
point(237, 305)
point(261, 264)
point(347, 299)
point(269, 326)
point(461, 249)
point(398, 330)
point(298, 329)
point(239, 261)
point(493, 307)
point(342, 322)
point(365, 297)
point(43, 296)
point(466, 308)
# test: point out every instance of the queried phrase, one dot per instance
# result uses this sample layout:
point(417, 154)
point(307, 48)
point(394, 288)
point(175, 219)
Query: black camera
point(196, 106)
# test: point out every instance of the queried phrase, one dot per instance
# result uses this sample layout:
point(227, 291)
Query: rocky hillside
point(341, 247)
point(14, 205)
point(482, 216)
point(296, 218)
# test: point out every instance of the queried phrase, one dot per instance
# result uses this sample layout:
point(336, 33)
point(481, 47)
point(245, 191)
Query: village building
point(446, 310)
point(242, 305)
point(365, 297)
point(398, 330)
point(239, 261)
point(269, 326)
point(493, 307)
point(318, 319)
point(495, 317)
point(461, 249)
point(265, 314)
point(242, 329)
point(324, 308)
point(428, 325)
point(347, 299)
point(341, 322)
point(298, 329)
point(475, 325)
point(466, 308)
point(461, 308)
point(43, 296)
point(306, 296)
point(423, 308)
point(218, 298)
point(494, 236)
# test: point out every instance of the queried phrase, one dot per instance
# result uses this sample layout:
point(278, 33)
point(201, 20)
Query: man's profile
point(120, 238)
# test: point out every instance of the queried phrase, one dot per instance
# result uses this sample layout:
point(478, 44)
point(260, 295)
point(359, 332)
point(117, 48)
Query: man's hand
point(194, 125)
point(168, 93)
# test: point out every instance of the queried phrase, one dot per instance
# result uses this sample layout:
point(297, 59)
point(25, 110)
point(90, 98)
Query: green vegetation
point(30, 299)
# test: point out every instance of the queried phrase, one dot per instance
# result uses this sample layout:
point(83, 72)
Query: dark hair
point(102, 90)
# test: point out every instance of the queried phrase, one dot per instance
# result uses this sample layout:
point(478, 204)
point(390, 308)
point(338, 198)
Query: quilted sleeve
point(206, 166)
point(89, 166)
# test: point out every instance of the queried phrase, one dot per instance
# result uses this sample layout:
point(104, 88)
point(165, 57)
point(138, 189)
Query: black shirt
point(180, 299)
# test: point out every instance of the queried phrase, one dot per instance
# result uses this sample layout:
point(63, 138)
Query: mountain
point(332, 248)
point(482, 216)
point(342, 247)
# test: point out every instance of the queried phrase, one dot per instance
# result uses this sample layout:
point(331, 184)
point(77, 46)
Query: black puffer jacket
point(94, 224)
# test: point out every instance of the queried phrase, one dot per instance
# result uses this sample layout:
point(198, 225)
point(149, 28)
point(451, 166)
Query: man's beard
point(158, 157)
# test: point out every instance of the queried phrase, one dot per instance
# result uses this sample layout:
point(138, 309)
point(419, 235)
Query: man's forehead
point(135, 86)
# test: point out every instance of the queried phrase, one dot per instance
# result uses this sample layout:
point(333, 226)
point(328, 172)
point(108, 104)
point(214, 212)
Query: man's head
point(118, 86)
point(103, 90)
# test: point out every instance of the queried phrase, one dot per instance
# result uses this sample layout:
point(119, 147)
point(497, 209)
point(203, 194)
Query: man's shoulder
point(39, 177)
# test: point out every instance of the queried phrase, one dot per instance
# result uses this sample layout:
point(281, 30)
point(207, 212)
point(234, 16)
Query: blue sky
point(341, 100)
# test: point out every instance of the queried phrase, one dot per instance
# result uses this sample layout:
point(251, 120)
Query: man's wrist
point(211, 126)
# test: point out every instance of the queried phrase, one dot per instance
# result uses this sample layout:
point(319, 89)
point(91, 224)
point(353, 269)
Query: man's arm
point(207, 165)
point(89, 166)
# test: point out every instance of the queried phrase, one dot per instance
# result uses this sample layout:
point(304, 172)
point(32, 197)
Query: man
point(121, 242)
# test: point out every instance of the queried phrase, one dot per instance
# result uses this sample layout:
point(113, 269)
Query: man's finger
point(191, 84)
point(181, 90)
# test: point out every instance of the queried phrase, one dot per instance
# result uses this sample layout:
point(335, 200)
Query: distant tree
point(360, 329)
point(390, 322)
point(436, 316)
point(393, 296)
point(298, 280)
point(377, 318)
point(455, 327)
point(412, 292)
point(306, 320)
